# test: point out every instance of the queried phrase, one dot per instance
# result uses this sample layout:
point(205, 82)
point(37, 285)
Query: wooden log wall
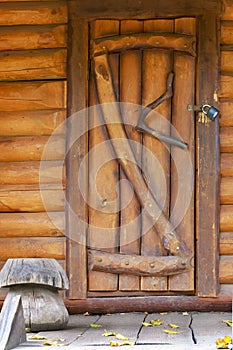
point(33, 59)
point(226, 145)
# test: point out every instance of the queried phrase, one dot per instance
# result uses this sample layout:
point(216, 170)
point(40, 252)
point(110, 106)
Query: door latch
point(210, 111)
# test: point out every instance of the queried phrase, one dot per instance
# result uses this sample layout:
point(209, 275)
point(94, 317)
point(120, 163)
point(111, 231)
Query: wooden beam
point(76, 211)
point(207, 163)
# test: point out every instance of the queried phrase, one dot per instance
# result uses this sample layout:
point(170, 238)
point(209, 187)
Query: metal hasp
point(143, 127)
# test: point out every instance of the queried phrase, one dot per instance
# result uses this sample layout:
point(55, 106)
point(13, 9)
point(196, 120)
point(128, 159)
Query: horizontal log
point(226, 113)
point(226, 86)
point(226, 270)
point(33, 65)
point(226, 64)
point(228, 11)
point(226, 139)
point(226, 190)
point(226, 243)
point(31, 201)
point(33, 13)
point(37, 95)
point(32, 172)
point(226, 32)
point(41, 247)
point(30, 123)
point(32, 224)
point(226, 164)
point(33, 37)
point(136, 264)
point(226, 218)
point(19, 149)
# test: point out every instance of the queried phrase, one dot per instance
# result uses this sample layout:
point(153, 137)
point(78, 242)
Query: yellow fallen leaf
point(228, 339)
point(173, 325)
point(156, 322)
point(227, 322)
point(52, 343)
point(108, 334)
point(114, 343)
point(146, 324)
point(95, 325)
point(127, 342)
point(37, 337)
point(86, 314)
point(221, 343)
point(121, 337)
point(170, 332)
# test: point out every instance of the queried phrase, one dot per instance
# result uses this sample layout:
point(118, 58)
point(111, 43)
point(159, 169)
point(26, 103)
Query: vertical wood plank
point(130, 92)
point(156, 66)
point(103, 180)
point(208, 162)
point(184, 123)
point(76, 213)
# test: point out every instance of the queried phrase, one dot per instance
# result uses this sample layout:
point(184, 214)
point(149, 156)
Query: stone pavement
point(196, 331)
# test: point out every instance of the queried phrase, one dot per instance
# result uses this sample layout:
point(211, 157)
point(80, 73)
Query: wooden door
point(140, 189)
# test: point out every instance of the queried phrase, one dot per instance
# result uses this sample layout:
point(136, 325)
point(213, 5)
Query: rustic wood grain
point(207, 179)
point(226, 164)
point(33, 37)
point(184, 85)
point(130, 92)
point(32, 123)
point(104, 215)
point(41, 247)
point(156, 66)
point(38, 95)
point(226, 110)
point(225, 270)
point(226, 64)
point(18, 149)
point(76, 207)
point(227, 14)
point(226, 218)
point(226, 33)
point(40, 172)
point(226, 190)
point(36, 64)
point(226, 139)
point(33, 13)
point(32, 224)
point(226, 243)
point(30, 200)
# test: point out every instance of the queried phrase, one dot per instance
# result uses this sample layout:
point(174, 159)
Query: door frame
point(207, 153)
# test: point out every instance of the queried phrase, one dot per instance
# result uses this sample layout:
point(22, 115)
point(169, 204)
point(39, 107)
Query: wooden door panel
point(140, 77)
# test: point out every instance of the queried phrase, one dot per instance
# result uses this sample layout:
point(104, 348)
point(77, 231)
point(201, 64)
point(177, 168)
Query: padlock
point(210, 111)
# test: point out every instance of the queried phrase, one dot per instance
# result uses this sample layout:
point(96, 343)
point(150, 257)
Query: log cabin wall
point(33, 59)
point(33, 73)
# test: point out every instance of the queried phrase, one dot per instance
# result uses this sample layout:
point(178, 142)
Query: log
point(31, 200)
point(32, 172)
point(33, 37)
point(32, 224)
point(226, 64)
point(226, 270)
point(33, 65)
point(226, 139)
point(226, 218)
point(226, 190)
point(32, 123)
point(40, 247)
point(226, 86)
point(15, 96)
point(228, 11)
point(226, 243)
point(226, 164)
point(33, 13)
point(20, 149)
point(226, 113)
point(226, 33)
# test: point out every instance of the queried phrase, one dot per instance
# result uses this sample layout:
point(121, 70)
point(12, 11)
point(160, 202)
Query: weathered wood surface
point(33, 13)
point(24, 200)
point(226, 243)
point(35, 95)
point(12, 329)
point(32, 148)
point(32, 123)
point(226, 190)
point(33, 247)
point(226, 218)
point(226, 164)
point(226, 86)
point(226, 62)
point(225, 270)
point(32, 224)
point(150, 335)
point(40, 172)
point(226, 33)
point(226, 139)
point(33, 37)
point(226, 116)
point(35, 64)
point(33, 271)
